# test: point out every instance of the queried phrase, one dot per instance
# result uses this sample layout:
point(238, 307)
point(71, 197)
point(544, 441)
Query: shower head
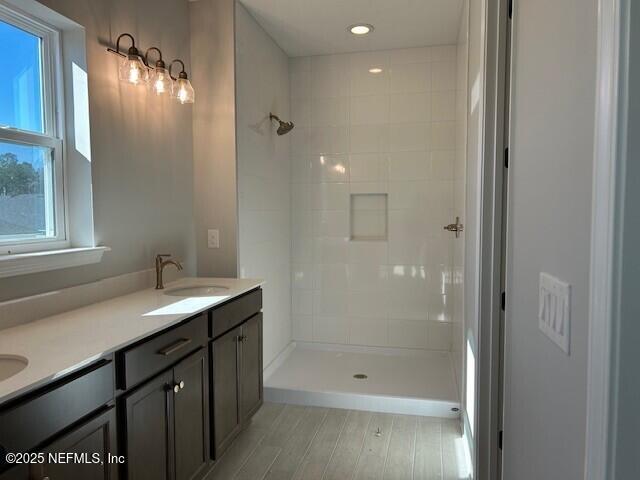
point(285, 127)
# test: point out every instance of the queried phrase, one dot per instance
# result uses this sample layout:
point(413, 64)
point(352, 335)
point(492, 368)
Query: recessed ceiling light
point(361, 28)
point(375, 70)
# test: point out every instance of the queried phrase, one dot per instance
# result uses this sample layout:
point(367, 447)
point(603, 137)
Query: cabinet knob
point(176, 388)
point(242, 338)
point(181, 385)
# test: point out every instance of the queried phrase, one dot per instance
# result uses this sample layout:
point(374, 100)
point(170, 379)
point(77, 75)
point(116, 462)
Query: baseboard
point(278, 361)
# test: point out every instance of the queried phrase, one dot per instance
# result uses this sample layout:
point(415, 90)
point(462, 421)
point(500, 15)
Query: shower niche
point(368, 217)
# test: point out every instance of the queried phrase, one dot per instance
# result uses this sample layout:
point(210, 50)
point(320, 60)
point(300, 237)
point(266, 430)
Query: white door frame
point(489, 384)
point(607, 222)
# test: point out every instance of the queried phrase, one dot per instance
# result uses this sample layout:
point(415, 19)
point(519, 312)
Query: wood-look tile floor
point(286, 442)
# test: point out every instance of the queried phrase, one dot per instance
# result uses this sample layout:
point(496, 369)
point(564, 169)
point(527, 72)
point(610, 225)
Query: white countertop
point(63, 343)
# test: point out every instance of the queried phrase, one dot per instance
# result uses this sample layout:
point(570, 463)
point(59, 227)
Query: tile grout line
point(258, 443)
point(386, 457)
point(441, 452)
point(415, 449)
point(335, 447)
point(364, 439)
point(304, 456)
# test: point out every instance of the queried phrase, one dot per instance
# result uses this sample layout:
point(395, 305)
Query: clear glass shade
point(160, 82)
point(133, 70)
point(183, 91)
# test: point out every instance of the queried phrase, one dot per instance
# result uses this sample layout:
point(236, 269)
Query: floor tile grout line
point(333, 451)
point(386, 457)
point(304, 456)
point(441, 452)
point(364, 439)
point(258, 443)
point(415, 449)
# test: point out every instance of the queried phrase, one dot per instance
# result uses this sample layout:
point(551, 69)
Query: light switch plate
point(213, 238)
point(554, 311)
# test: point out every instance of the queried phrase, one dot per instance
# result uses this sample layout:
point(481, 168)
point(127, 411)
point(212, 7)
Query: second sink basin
point(197, 291)
point(11, 365)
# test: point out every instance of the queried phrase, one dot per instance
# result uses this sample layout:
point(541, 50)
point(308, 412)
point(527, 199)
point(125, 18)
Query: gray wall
point(214, 134)
point(141, 147)
point(628, 419)
point(551, 173)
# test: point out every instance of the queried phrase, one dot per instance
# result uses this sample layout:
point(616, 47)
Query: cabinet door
point(191, 416)
point(18, 472)
point(95, 437)
point(251, 366)
point(226, 418)
point(150, 430)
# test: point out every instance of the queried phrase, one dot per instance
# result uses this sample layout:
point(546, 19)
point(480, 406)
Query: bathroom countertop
point(61, 344)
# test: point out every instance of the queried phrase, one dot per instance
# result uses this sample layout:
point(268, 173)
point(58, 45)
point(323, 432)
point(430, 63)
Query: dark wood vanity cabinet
point(237, 380)
point(161, 408)
point(94, 442)
point(167, 423)
point(226, 417)
point(251, 367)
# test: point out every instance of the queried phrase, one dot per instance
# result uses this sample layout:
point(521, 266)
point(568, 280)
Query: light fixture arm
point(182, 74)
point(132, 49)
point(159, 62)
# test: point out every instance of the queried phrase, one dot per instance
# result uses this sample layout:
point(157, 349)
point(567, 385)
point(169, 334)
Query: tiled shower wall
point(393, 134)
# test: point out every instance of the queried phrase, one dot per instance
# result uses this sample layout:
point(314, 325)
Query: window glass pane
point(21, 104)
point(26, 192)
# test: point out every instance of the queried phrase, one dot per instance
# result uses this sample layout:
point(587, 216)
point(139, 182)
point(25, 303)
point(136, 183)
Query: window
point(32, 213)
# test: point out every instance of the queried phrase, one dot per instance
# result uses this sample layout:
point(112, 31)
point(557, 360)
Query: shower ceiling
point(317, 27)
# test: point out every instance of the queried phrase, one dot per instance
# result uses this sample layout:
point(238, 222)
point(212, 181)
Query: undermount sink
point(197, 291)
point(10, 365)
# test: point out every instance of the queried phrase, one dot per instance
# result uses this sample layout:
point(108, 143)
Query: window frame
point(53, 135)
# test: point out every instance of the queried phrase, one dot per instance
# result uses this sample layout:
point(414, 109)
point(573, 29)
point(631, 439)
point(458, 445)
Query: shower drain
point(360, 376)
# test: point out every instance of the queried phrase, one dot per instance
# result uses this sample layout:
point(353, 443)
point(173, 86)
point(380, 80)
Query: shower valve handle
point(455, 227)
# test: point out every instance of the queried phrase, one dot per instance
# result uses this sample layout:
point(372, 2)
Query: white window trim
point(53, 99)
point(77, 246)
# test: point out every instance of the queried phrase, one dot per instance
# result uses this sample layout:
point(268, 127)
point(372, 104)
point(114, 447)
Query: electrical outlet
point(213, 238)
point(554, 313)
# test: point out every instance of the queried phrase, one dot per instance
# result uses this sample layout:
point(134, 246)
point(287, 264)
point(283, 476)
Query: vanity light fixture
point(132, 67)
point(136, 70)
point(182, 90)
point(361, 28)
point(160, 81)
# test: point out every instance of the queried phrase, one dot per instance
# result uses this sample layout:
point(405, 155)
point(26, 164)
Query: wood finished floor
point(289, 442)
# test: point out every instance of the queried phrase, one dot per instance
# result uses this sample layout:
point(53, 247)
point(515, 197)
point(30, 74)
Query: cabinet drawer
point(146, 359)
point(232, 314)
point(40, 416)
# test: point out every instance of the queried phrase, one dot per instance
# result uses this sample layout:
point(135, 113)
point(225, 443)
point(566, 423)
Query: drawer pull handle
point(174, 347)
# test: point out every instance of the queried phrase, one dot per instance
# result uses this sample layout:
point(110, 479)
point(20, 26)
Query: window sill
point(24, 263)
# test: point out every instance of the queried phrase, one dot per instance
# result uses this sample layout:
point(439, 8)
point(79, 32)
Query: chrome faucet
point(160, 264)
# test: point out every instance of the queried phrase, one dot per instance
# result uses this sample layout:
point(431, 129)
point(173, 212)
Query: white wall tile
point(439, 336)
point(390, 133)
point(369, 110)
point(330, 329)
point(368, 332)
point(302, 328)
point(411, 77)
point(368, 167)
point(407, 333)
point(410, 108)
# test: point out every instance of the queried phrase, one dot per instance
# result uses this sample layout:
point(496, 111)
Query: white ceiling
point(316, 27)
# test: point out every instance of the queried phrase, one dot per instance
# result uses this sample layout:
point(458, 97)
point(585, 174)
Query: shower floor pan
point(400, 382)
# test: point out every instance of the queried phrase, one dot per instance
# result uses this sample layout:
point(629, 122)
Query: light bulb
point(160, 81)
point(133, 70)
point(183, 91)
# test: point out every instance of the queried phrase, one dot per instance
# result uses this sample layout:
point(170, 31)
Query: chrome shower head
point(285, 127)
